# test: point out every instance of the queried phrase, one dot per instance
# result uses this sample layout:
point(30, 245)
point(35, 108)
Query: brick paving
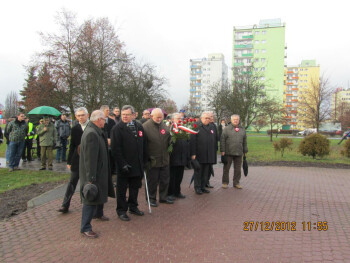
point(206, 228)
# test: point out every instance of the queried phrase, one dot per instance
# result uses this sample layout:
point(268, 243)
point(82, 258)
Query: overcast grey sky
point(169, 33)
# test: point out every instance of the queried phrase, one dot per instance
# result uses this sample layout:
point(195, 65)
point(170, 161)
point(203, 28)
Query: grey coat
point(232, 142)
point(93, 163)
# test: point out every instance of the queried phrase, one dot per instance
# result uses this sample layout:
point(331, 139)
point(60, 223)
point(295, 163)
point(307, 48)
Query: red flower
point(184, 122)
point(194, 125)
point(179, 122)
point(190, 119)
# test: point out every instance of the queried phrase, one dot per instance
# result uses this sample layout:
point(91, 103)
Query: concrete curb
point(49, 196)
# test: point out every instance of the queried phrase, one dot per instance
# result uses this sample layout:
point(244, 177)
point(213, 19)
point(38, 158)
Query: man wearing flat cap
point(94, 169)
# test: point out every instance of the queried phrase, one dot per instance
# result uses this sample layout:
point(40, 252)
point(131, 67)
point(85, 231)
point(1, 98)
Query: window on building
point(256, 60)
point(257, 32)
point(263, 32)
point(263, 50)
point(263, 41)
point(256, 51)
point(262, 78)
point(256, 41)
point(262, 69)
point(263, 59)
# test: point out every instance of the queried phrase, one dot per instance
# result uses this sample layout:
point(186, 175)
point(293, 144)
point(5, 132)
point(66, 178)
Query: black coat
point(180, 156)
point(73, 155)
point(204, 144)
point(108, 127)
point(128, 149)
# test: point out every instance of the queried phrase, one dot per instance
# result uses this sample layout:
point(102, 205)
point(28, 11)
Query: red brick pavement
point(207, 228)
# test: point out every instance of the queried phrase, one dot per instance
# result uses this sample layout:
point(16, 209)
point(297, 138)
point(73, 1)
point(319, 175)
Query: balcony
point(195, 66)
point(198, 72)
point(243, 46)
point(290, 72)
point(198, 84)
point(238, 64)
point(288, 106)
point(197, 96)
point(293, 122)
point(247, 55)
point(248, 37)
point(294, 100)
point(293, 111)
point(295, 77)
point(289, 94)
point(192, 90)
point(290, 83)
point(295, 89)
point(288, 117)
point(193, 78)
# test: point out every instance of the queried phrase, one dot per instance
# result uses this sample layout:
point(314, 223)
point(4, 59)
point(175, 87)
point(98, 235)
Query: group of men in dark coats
point(134, 148)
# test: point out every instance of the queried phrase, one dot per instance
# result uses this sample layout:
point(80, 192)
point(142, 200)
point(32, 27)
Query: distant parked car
point(307, 132)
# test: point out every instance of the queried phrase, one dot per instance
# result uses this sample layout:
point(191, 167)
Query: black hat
point(90, 192)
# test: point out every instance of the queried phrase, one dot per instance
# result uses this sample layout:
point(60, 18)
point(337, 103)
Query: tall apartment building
point(205, 72)
point(264, 47)
point(340, 102)
point(298, 81)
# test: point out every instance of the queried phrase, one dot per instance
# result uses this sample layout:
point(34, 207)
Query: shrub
point(282, 144)
point(314, 145)
point(346, 149)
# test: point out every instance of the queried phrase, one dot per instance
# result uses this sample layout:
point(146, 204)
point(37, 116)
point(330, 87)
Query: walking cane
point(149, 205)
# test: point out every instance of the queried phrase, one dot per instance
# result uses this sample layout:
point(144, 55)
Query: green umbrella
point(45, 110)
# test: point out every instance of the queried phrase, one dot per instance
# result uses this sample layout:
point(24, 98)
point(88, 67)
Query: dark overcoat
point(94, 163)
point(158, 140)
point(73, 155)
point(129, 149)
point(204, 144)
point(110, 123)
point(180, 156)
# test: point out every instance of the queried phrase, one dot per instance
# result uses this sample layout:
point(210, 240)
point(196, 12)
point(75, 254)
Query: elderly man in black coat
point(82, 115)
point(179, 158)
point(203, 147)
point(128, 146)
point(94, 169)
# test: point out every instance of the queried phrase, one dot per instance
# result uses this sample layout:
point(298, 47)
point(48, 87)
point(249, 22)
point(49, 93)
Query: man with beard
point(128, 146)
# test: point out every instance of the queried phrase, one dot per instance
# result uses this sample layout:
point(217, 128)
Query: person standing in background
point(63, 131)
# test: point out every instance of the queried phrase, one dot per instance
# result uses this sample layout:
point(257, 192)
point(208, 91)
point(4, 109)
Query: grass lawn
point(261, 149)
point(21, 178)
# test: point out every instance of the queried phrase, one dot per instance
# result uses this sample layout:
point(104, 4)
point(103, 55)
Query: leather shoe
point(180, 195)
point(102, 218)
point(171, 197)
point(42, 168)
point(209, 186)
point(63, 210)
point(205, 191)
point(124, 217)
point(136, 211)
point(90, 234)
point(166, 201)
point(153, 203)
point(199, 191)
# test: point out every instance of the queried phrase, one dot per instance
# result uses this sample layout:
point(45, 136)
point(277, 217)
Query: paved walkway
point(206, 228)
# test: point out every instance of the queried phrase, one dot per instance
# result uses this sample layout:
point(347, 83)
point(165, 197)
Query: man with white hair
point(82, 115)
point(94, 169)
point(203, 149)
point(158, 139)
point(233, 145)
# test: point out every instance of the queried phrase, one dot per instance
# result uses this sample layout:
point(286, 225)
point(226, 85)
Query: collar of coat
point(98, 130)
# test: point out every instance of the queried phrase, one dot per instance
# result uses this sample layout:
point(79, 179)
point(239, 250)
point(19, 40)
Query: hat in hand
point(90, 192)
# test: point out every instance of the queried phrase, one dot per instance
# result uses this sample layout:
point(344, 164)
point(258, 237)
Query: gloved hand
point(126, 169)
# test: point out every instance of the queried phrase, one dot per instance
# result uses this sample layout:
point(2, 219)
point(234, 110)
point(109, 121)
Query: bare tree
point(247, 95)
point(11, 105)
point(274, 112)
point(316, 102)
point(217, 95)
